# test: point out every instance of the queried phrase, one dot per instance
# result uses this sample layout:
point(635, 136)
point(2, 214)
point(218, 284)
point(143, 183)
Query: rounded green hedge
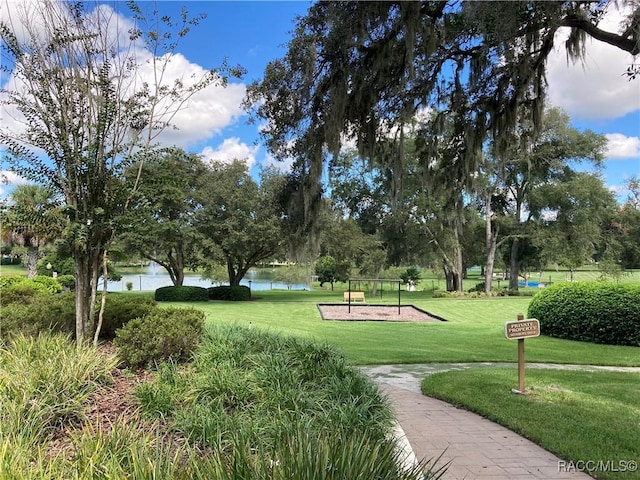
point(589, 311)
point(39, 282)
point(165, 334)
point(225, 292)
point(29, 311)
point(182, 294)
point(120, 309)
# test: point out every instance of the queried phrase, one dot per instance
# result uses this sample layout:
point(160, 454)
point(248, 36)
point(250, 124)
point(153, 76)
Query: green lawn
point(579, 416)
point(473, 332)
point(12, 270)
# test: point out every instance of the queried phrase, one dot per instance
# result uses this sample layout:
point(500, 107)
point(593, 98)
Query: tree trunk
point(514, 265)
point(103, 300)
point(459, 270)
point(374, 289)
point(176, 266)
point(87, 267)
point(453, 280)
point(32, 261)
point(491, 237)
point(236, 275)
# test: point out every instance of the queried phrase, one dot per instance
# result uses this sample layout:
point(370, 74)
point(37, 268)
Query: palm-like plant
point(32, 219)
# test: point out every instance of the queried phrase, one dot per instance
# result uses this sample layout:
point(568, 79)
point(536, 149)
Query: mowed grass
point(590, 417)
point(474, 331)
point(12, 270)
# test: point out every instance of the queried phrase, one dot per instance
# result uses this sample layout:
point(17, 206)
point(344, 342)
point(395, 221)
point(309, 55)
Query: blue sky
point(251, 33)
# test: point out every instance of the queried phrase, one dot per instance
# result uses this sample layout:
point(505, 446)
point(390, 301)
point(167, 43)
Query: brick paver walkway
point(476, 447)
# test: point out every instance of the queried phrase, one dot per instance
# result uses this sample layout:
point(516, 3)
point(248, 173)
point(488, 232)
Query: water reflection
point(255, 279)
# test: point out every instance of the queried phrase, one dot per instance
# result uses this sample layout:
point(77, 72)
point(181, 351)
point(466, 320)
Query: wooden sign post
point(520, 330)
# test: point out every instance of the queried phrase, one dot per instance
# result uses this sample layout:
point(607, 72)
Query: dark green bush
point(589, 311)
point(225, 292)
point(4, 260)
point(22, 293)
point(165, 334)
point(182, 294)
point(120, 309)
point(44, 313)
point(60, 264)
point(29, 310)
point(68, 282)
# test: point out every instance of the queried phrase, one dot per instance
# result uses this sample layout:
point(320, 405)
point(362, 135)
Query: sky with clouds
point(251, 33)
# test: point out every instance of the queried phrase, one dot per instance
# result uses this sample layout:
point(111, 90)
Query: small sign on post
point(519, 330)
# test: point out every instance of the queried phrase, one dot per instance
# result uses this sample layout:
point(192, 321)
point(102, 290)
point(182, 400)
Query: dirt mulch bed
point(379, 313)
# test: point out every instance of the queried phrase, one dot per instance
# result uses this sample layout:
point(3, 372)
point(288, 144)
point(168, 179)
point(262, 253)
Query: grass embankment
point(250, 405)
point(589, 418)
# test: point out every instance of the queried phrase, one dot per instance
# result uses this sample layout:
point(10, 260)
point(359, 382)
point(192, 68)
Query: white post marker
point(519, 330)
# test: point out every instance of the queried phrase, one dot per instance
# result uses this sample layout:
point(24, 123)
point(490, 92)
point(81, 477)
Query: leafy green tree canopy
point(362, 71)
point(329, 270)
point(82, 113)
point(241, 217)
point(161, 227)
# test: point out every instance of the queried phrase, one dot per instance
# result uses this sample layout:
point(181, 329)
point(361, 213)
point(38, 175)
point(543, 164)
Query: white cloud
point(10, 178)
point(597, 88)
point(621, 146)
point(231, 149)
point(205, 114)
point(285, 165)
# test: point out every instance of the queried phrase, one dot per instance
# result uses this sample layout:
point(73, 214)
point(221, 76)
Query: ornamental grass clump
point(274, 407)
point(249, 405)
point(44, 383)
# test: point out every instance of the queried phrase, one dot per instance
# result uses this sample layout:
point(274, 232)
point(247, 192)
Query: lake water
point(255, 279)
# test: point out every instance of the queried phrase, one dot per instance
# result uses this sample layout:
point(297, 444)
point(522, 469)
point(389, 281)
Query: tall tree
point(576, 212)
point(76, 95)
point(534, 159)
point(32, 219)
point(162, 217)
point(355, 70)
point(628, 226)
point(241, 217)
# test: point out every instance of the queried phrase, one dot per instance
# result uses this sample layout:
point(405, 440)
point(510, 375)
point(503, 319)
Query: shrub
point(165, 334)
point(68, 282)
point(40, 283)
point(8, 280)
point(120, 309)
point(225, 292)
point(32, 311)
point(46, 312)
point(182, 294)
point(470, 294)
point(23, 293)
point(62, 265)
point(10, 260)
point(50, 284)
point(587, 311)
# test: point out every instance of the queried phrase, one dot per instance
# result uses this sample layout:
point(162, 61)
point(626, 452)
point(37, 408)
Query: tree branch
point(627, 43)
